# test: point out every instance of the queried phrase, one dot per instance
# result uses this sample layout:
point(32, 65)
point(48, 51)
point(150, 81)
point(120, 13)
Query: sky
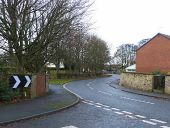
point(129, 21)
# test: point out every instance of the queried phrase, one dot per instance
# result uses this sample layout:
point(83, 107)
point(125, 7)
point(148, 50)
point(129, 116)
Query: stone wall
point(137, 81)
point(167, 84)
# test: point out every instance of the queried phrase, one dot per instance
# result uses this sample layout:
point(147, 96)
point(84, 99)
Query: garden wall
point(142, 81)
point(137, 81)
point(39, 86)
point(167, 84)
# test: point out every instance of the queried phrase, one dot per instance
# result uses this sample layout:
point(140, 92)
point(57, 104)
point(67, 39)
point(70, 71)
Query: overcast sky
point(129, 21)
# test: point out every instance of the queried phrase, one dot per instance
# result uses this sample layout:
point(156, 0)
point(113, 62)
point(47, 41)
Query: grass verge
point(60, 81)
point(64, 81)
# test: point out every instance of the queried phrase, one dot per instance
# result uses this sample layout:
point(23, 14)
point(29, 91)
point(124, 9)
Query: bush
point(6, 93)
point(158, 72)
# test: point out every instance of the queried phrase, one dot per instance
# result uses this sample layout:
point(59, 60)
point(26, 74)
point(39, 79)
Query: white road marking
point(126, 112)
point(105, 106)
point(132, 117)
point(98, 106)
point(102, 105)
point(89, 84)
point(119, 113)
point(164, 127)
point(69, 127)
point(142, 101)
point(91, 88)
point(107, 109)
point(87, 103)
point(158, 121)
point(149, 122)
point(64, 86)
point(96, 103)
point(115, 109)
point(139, 116)
point(105, 93)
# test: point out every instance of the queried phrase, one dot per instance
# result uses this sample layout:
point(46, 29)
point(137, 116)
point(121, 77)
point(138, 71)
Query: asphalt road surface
point(103, 106)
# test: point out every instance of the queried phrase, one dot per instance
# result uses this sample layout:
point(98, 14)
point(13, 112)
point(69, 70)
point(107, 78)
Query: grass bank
point(64, 81)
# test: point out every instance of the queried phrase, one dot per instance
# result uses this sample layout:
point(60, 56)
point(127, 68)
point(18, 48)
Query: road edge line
point(64, 86)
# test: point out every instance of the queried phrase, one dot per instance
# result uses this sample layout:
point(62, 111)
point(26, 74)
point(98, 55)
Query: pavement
point(116, 85)
point(58, 99)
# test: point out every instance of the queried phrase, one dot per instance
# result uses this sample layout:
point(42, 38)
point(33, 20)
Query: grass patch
point(60, 81)
point(64, 81)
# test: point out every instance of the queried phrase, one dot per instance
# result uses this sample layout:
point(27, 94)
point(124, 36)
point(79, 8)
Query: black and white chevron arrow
point(19, 81)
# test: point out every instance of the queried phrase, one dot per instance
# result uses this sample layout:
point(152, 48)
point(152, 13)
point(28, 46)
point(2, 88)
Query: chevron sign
point(17, 81)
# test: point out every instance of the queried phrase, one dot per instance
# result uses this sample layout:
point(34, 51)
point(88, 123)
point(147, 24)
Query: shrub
point(158, 72)
point(6, 93)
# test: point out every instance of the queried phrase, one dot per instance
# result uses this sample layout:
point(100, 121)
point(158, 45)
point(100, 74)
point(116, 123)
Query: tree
point(142, 42)
point(29, 27)
point(97, 54)
point(125, 55)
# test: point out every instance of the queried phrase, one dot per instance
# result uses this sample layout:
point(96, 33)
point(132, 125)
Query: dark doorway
point(159, 83)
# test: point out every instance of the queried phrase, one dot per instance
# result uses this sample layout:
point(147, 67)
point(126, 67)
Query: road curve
point(105, 107)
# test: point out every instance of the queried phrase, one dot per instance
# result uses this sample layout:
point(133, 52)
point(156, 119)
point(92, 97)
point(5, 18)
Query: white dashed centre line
point(132, 117)
point(142, 101)
point(105, 93)
point(115, 109)
point(158, 121)
point(69, 127)
point(87, 103)
point(107, 109)
point(164, 127)
point(98, 106)
point(139, 116)
point(126, 112)
point(104, 105)
point(119, 113)
point(149, 122)
point(91, 88)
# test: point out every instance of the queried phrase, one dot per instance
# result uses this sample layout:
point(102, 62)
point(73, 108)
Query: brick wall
point(154, 56)
point(137, 81)
point(39, 85)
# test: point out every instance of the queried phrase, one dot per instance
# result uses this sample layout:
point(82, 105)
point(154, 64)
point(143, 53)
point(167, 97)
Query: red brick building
point(154, 55)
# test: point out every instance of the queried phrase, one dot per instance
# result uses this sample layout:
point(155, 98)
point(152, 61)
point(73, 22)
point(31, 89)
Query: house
point(52, 65)
point(131, 68)
point(154, 55)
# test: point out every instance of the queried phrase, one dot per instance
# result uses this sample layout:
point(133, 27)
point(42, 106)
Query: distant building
point(131, 68)
point(52, 65)
point(154, 55)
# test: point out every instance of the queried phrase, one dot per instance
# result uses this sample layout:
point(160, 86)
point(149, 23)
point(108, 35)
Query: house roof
point(131, 67)
point(166, 36)
point(51, 65)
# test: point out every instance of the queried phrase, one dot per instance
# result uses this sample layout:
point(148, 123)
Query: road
point(103, 106)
